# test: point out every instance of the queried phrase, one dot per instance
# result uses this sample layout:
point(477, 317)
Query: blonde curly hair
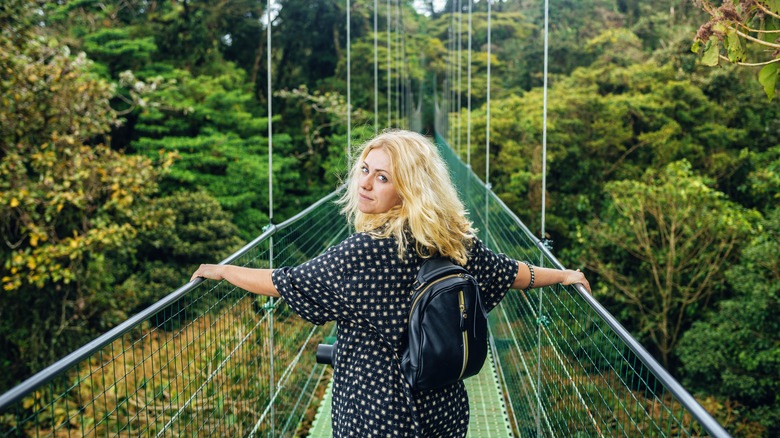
point(430, 208)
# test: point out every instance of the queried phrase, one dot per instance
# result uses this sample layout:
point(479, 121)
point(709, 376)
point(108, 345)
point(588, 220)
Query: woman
point(405, 209)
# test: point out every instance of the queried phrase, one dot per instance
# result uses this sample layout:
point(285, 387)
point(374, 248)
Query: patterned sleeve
point(495, 273)
point(314, 289)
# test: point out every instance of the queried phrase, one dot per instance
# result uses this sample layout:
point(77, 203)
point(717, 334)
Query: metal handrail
point(675, 388)
point(46, 375)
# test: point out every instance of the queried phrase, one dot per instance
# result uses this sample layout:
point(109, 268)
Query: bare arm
point(257, 281)
point(547, 277)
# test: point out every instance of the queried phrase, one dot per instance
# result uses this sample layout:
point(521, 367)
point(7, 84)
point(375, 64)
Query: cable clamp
point(543, 320)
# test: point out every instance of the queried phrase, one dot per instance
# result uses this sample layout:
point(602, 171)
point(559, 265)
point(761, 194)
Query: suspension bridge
point(212, 359)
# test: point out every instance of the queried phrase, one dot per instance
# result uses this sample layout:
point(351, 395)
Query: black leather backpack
point(447, 338)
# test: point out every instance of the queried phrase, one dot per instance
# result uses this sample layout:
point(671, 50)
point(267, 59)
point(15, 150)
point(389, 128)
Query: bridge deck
point(488, 412)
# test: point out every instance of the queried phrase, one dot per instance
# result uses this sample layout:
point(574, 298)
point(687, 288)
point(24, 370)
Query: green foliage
point(189, 105)
point(179, 232)
point(768, 78)
point(659, 246)
point(735, 352)
point(627, 98)
point(119, 50)
point(746, 32)
point(65, 198)
point(209, 123)
point(50, 177)
point(764, 181)
point(311, 37)
point(611, 121)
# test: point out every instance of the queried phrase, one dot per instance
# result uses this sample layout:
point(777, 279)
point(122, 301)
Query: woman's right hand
point(257, 281)
point(213, 272)
point(573, 277)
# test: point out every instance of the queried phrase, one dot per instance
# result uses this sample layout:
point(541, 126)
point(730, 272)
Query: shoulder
point(356, 240)
point(360, 242)
point(481, 257)
point(475, 248)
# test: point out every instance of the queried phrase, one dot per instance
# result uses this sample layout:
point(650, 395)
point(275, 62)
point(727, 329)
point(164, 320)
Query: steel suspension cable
point(389, 100)
point(270, 300)
point(544, 112)
point(270, 119)
point(449, 88)
point(349, 89)
point(398, 64)
point(544, 189)
point(468, 100)
point(487, 124)
point(460, 67)
point(376, 74)
point(451, 116)
point(402, 53)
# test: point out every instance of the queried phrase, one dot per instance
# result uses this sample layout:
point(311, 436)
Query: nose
point(365, 182)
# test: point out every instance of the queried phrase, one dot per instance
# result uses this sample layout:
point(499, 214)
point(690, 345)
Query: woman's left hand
point(213, 272)
point(572, 277)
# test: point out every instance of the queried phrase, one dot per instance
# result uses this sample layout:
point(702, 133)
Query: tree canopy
point(134, 145)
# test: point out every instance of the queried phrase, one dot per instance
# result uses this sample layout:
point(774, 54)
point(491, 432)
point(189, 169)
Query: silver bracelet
point(530, 268)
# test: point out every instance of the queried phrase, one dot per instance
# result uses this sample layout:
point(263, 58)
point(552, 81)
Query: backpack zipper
point(462, 309)
point(465, 335)
point(428, 287)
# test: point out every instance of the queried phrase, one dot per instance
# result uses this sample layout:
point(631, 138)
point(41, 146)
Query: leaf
point(768, 78)
point(710, 57)
point(773, 5)
point(695, 46)
point(734, 45)
point(28, 402)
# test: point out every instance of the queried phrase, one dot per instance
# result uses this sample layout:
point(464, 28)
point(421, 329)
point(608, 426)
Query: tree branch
point(765, 10)
point(749, 64)
point(754, 39)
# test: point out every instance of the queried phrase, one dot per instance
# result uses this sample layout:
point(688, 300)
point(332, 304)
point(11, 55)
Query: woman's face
point(376, 192)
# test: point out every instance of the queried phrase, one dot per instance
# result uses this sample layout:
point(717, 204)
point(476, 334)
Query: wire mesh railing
point(213, 359)
point(209, 359)
point(568, 367)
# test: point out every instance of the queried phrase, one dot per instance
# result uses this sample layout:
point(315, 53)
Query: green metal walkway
point(488, 412)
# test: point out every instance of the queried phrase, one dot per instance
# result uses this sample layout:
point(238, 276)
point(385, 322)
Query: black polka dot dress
point(362, 284)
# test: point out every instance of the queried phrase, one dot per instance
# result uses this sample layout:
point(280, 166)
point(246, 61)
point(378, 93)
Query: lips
point(363, 197)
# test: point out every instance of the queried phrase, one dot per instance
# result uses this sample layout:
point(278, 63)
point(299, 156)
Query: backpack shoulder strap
point(434, 268)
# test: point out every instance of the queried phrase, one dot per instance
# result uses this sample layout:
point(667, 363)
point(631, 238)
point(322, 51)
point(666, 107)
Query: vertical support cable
point(349, 90)
point(408, 95)
point(460, 67)
point(450, 75)
point(544, 189)
point(452, 116)
point(398, 64)
point(270, 121)
point(544, 114)
point(468, 100)
point(270, 301)
point(487, 133)
point(376, 76)
point(409, 90)
point(402, 66)
point(389, 100)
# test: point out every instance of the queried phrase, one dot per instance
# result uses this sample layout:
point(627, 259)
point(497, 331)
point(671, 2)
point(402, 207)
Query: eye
point(364, 169)
point(382, 178)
